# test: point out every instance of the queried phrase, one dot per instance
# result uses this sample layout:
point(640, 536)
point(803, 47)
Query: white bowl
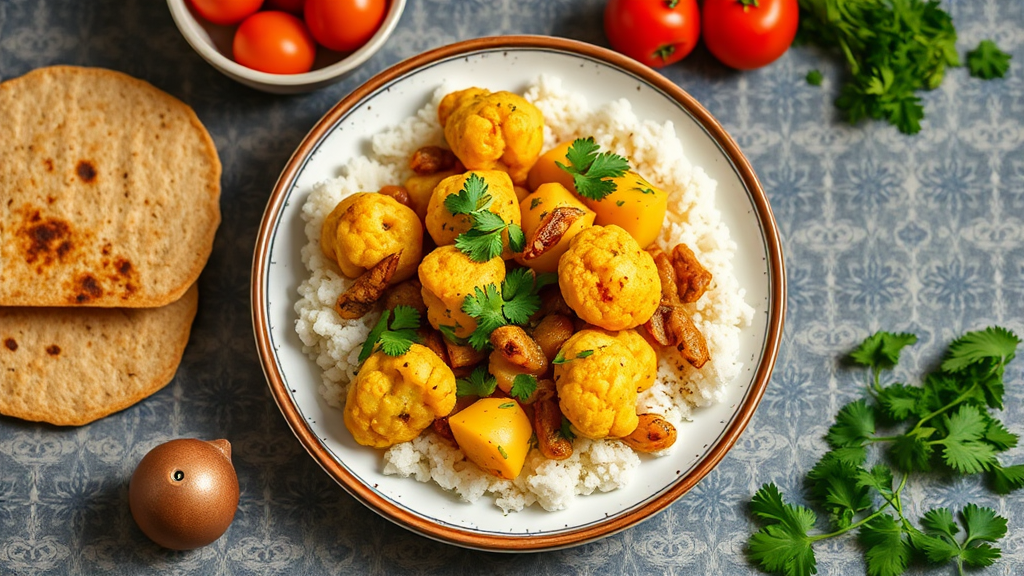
point(213, 43)
point(510, 63)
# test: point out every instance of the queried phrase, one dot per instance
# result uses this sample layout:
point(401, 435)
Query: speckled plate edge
point(593, 531)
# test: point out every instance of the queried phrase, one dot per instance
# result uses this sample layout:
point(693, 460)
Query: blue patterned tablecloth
point(881, 231)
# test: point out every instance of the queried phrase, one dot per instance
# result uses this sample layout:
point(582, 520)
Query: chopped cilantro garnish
point(567, 429)
point(483, 240)
point(505, 405)
point(561, 359)
point(480, 383)
point(944, 422)
point(502, 452)
point(396, 340)
point(523, 386)
point(592, 171)
point(814, 78)
point(517, 300)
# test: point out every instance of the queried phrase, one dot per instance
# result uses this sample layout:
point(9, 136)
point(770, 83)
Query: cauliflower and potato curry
point(545, 310)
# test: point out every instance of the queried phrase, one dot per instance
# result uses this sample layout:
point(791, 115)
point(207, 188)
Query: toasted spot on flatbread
point(111, 191)
point(72, 366)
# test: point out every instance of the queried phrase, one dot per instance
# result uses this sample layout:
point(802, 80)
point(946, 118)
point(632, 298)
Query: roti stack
point(109, 198)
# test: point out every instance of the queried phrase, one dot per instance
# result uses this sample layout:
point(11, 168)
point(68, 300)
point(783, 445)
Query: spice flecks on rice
point(596, 465)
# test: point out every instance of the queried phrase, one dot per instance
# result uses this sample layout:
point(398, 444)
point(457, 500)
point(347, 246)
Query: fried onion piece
point(431, 159)
point(399, 193)
point(432, 339)
point(667, 275)
point(653, 434)
point(519, 349)
point(463, 355)
point(692, 279)
point(672, 326)
point(547, 425)
point(550, 230)
point(551, 332)
point(367, 289)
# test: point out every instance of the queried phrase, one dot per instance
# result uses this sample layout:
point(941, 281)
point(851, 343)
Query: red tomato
point(293, 6)
point(747, 34)
point(274, 42)
point(655, 32)
point(344, 25)
point(226, 12)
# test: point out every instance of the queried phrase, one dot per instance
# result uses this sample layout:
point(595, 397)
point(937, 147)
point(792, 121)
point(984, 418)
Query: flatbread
point(109, 191)
point(73, 366)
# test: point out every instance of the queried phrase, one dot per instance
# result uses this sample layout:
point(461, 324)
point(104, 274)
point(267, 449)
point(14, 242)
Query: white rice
point(654, 152)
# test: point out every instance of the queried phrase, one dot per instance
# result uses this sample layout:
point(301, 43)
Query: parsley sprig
point(483, 240)
point(944, 422)
point(592, 171)
point(397, 339)
point(514, 303)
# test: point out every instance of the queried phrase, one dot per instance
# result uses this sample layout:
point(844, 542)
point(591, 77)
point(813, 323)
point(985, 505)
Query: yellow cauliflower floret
point(447, 276)
point(444, 227)
point(394, 398)
point(492, 131)
point(608, 280)
point(366, 227)
point(597, 385)
point(646, 359)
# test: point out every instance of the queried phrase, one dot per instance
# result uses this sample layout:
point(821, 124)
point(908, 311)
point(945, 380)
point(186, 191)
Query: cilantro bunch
point(892, 49)
point(483, 240)
point(942, 424)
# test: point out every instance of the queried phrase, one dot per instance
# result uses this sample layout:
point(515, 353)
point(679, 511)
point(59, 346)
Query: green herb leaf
point(592, 171)
point(502, 452)
point(480, 383)
point(882, 350)
point(814, 78)
point(399, 338)
point(566, 430)
point(523, 386)
point(517, 300)
point(1006, 480)
point(833, 483)
point(995, 343)
point(783, 545)
point(987, 61)
point(888, 548)
point(900, 401)
point(964, 452)
point(480, 246)
point(472, 198)
point(854, 425)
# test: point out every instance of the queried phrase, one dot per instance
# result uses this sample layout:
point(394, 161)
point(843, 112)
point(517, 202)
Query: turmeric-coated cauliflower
point(608, 280)
point(366, 227)
point(444, 227)
point(596, 384)
point(394, 398)
point(492, 131)
point(447, 276)
point(644, 355)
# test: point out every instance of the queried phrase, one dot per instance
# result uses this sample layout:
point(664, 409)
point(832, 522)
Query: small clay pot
point(184, 493)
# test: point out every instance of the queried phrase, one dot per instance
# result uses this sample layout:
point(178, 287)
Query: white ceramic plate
point(510, 63)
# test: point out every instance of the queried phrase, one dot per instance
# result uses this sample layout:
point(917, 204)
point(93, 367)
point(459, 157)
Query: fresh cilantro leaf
point(987, 61)
point(982, 524)
point(513, 304)
point(900, 401)
point(993, 343)
point(561, 359)
point(585, 353)
point(592, 171)
point(472, 198)
point(939, 522)
point(374, 336)
point(399, 338)
point(911, 452)
point(523, 386)
point(833, 483)
point(782, 545)
point(449, 333)
point(506, 405)
point(502, 452)
point(938, 550)
point(814, 78)
point(998, 436)
point(1006, 480)
point(479, 246)
point(981, 555)
point(964, 452)
point(879, 478)
point(854, 425)
point(905, 112)
point(485, 306)
point(480, 383)
point(888, 548)
point(516, 238)
point(487, 221)
point(882, 350)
